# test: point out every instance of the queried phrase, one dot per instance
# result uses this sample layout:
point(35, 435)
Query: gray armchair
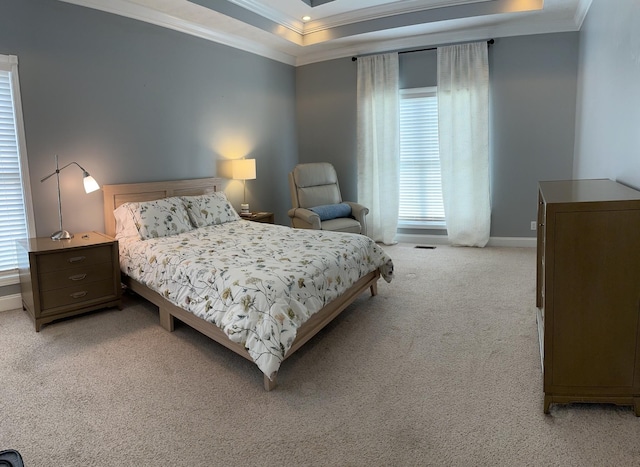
point(315, 185)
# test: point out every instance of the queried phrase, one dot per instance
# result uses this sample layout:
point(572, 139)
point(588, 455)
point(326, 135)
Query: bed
point(261, 290)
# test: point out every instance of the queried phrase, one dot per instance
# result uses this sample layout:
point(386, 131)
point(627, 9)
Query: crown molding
point(260, 8)
point(439, 38)
point(381, 11)
point(366, 14)
point(581, 12)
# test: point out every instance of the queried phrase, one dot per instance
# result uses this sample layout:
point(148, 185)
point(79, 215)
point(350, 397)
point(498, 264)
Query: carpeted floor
point(441, 368)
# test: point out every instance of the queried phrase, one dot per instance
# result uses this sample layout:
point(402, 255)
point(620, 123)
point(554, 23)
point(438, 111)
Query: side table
point(60, 278)
point(266, 217)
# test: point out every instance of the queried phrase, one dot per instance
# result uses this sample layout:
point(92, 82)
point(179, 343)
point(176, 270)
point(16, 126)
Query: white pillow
point(125, 225)
point(210, 209)
point(158, 218)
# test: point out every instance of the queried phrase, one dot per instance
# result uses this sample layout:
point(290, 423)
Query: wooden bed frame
point(115, 195)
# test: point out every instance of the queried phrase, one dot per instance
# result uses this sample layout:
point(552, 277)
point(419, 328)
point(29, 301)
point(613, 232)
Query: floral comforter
point(257, 282)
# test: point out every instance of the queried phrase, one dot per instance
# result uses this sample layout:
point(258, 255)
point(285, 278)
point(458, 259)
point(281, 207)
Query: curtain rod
point(353, 59)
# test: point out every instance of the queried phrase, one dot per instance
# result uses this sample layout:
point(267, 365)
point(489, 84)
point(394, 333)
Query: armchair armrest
point(359, 212)
point(304, 218)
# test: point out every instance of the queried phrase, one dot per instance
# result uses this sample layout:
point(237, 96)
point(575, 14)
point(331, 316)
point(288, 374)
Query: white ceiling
point(341, 28)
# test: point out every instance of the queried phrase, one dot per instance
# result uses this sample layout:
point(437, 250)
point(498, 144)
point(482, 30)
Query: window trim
point(422, 225)
point(428, 224)
point(10, 63)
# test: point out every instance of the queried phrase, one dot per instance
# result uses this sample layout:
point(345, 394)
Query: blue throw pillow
point(332, 211)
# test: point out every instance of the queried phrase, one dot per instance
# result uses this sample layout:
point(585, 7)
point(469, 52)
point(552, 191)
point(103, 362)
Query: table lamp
point(244, 169)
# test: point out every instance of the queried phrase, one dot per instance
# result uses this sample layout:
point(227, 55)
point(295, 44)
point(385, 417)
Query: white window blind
point(13, 209)
point(420, 183)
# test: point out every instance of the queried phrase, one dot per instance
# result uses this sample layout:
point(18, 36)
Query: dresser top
point(585, 191)
point(82, 239)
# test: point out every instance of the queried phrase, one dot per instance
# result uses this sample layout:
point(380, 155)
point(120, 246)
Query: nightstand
point(60, 278)
point(265, 217)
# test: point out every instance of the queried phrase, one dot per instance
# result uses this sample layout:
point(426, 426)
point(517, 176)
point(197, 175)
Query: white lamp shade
point(243, 169)
point(90, 184)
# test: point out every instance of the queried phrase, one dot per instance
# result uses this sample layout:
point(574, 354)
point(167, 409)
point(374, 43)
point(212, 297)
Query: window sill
point(9, 278)
point(422, 225)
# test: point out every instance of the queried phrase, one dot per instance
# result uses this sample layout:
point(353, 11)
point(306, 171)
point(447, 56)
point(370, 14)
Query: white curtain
point(378, 144)
point(463, 123)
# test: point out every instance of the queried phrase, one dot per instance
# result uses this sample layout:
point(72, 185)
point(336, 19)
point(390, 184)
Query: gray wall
point(533, 101)
point(608, 120)
point(131, 102)
point(327, 111)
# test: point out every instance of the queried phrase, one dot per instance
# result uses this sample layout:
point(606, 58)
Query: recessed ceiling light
point(306, 18)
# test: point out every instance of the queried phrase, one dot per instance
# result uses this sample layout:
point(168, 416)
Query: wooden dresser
point(60, 278)
point(588, 292)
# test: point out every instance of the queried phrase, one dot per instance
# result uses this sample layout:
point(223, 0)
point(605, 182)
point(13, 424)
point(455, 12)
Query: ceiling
point(341, 28)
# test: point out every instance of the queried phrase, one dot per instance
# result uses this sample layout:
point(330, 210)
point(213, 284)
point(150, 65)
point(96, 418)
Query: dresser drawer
point(75, 276)
point(64, 278)
point(76, 295)
point(60, 260)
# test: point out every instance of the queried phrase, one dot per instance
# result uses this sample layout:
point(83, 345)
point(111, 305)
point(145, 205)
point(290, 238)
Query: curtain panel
point(463, 125)
point(378, 144)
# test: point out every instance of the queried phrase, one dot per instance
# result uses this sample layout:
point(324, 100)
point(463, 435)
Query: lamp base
point(61, 235)
point(244, 209)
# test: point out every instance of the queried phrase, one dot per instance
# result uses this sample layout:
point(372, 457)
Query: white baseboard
point(516, 242)
point(10, 302)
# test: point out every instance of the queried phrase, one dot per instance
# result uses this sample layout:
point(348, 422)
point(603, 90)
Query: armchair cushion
point(332, 211)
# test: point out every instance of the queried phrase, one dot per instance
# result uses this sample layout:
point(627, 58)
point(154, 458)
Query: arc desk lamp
point(90, 185)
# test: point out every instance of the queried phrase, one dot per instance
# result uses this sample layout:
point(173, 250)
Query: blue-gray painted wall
point(130, 101)
point(532, 118)
point(608, 122)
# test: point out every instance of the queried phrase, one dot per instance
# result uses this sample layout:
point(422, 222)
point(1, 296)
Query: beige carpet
point(441, 368)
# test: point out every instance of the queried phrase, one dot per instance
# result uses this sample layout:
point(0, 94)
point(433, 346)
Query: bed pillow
point(159, 218)
point(210, 209)
point(332, 211)
point(125, 225)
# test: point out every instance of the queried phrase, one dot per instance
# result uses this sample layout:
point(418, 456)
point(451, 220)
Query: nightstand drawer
point(58, 261)
point(76, 295)
point(75, 277)
point(63, 278)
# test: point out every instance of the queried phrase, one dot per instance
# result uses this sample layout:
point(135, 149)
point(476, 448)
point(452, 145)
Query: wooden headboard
point(115, 195)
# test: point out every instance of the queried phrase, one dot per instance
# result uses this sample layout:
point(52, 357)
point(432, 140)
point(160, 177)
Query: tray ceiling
point(339, 28)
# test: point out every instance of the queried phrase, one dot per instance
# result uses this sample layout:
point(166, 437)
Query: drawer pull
point(77, 259)
point(77, 277)
point(79, 294)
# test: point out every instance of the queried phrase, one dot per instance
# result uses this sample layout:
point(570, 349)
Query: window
point(16, 219)
point(420, 184)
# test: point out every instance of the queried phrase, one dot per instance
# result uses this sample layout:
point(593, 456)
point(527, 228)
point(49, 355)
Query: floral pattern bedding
point(257, 282)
